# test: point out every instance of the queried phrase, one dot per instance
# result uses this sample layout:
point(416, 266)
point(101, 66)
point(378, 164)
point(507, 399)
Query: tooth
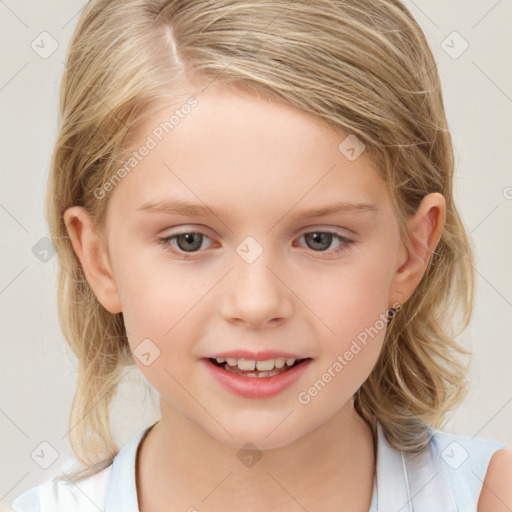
point(265, 365)
point(279, 362)
point(249, 365)
point(246, 364)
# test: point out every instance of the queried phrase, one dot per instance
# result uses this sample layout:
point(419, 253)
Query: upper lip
point(262, 355)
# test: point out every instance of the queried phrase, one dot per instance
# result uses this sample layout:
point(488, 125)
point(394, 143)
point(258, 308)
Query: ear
point(89, 248)
point(425, 229)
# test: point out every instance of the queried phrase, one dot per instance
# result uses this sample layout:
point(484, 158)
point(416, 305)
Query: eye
point(190, 242)
point(320, 241)
point(186, 242)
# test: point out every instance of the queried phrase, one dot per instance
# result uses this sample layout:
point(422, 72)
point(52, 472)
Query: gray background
point(38, 369)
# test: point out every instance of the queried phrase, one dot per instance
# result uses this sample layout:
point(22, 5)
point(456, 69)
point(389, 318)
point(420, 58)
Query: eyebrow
point(179, 207)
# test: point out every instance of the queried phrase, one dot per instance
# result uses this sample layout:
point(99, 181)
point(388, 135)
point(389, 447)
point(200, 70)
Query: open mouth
point(268, 369)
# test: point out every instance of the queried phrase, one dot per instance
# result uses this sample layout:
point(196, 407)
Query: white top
point(446, 476)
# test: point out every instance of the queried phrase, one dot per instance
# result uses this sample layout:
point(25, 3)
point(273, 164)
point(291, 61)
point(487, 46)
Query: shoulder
point(479, 470)
point(496, 495)
point(57, 495)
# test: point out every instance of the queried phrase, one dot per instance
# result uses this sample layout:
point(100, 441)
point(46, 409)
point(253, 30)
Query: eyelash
point(166, 243)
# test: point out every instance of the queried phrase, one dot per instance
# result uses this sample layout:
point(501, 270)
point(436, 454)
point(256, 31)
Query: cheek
point(158, 300)
point(352, 302)
point(354, 307)
point(161, 305)
point(352, 298)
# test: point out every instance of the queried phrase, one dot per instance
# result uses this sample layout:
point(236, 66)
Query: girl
point(302, 346)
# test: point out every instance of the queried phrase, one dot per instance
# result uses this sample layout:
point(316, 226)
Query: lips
point(262, 355)
point(253, 383)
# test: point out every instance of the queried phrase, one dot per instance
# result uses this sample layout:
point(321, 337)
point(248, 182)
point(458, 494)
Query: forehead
point(248, 152)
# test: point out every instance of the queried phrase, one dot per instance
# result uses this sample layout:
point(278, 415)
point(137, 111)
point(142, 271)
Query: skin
point(257, 164)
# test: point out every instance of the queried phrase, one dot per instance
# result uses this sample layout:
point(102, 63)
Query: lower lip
point(257, 387)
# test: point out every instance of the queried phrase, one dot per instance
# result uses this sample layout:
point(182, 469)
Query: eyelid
point(344, 240)
point(166, 241)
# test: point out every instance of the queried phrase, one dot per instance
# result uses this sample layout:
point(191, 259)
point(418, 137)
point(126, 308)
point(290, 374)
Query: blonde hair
point(365, 68)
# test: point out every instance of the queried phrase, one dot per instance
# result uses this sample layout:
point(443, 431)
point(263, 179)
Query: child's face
point(254, 281)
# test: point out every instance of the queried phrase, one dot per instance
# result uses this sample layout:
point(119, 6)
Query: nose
point(255, 294)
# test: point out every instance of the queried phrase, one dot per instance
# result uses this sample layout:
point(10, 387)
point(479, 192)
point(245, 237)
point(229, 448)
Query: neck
point(181, 466)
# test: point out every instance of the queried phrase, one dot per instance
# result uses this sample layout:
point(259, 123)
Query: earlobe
point(93, 257)
point(424, 229)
